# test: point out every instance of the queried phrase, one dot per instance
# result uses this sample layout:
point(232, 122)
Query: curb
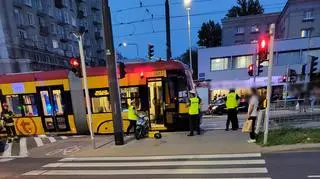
point(295, 147)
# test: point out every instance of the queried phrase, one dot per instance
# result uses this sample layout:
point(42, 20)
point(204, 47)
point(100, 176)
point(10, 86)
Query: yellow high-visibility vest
point(194, 106)
point(232, 101)
point(132, 114)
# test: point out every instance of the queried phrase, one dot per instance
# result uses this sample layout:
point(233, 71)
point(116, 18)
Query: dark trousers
point(133, 125)
point(233, 118)
point(252, 133)
point(11, 132)
point(194, 123)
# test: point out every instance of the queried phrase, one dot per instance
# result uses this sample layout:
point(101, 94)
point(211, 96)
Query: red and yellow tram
point(53, 102)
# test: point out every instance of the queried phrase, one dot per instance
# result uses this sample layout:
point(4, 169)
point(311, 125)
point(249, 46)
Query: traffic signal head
point(251, 70)
point(313, 64)
point(75, 66)
point(284, 79)
point(122, 70)
point(263, 48)
point(150, 51)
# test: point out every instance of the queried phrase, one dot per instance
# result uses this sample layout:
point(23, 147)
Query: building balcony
point(98, 36)
point(80, 1)
point(18, 3)
point(44, 31)
point(97, 22)
point(23, 26)
point(41, 13)
point(95, 8)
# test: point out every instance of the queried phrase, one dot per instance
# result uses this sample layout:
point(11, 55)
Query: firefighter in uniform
point(7, 117)
point(232, 105)
point(132, 116)
point(194, 118)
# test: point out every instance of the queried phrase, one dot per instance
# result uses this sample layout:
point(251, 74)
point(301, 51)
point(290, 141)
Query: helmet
point(157, 135)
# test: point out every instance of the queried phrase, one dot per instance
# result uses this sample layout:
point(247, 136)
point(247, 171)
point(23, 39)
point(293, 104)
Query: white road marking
point(149, 172)
point(64, 137)
point(38, 141)
point(314, 176)
point(7, 150)
point(162, 157)
point(149, 164)
point(23, 147)
point(6, 159)
point(52, 139)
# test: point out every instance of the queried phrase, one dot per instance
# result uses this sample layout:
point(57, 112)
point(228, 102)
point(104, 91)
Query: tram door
point(54, 117)
point(156, 103)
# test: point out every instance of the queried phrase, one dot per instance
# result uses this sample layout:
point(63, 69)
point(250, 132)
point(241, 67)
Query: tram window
point(57, 99)
point(129, 94)
point(14, 104)
point(29, 105)
point(101, 104)
point(46, 105)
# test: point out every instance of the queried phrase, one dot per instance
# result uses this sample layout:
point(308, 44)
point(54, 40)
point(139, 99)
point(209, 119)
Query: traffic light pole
point(285, 93)
point(269, 87)
point(112, 74)
point(85, 84)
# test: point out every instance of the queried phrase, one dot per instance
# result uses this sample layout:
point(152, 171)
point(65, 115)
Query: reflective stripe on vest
point(231, 102)
point(194, 106)
point(131, 113)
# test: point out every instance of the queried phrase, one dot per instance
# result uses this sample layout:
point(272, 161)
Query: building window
point(53, 28)
point(308, 15)
point(288, 58)
point(240, 30)
point(23, 34)
point(254, 28)
point(219, 64)
point(242, 61)
point(254, 41)
point(66, 17)
point(305, 33)
point(73, 21)
point(30, 19)
point(55, 44)
point(28, 2)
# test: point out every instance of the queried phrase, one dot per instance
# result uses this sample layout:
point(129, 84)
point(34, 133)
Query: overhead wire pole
point(79, 37)
point(112, 74)
point(269, 87)
point(168, 29)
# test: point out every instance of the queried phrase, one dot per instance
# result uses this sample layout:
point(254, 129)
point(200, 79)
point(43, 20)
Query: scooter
point(142, 127)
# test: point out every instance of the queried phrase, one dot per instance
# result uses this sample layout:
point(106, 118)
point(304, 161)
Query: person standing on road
point(194, 119)
point(132, 116)
point(232, 101)
point(253, 113)
point(7, 117)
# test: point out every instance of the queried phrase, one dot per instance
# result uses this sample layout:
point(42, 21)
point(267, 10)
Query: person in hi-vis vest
point(7, 117)
point(232, 108)
point(194, 118)
point(132, 116)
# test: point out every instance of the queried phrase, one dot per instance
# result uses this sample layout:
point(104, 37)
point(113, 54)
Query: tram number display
point(159, 73)
point(101, 93)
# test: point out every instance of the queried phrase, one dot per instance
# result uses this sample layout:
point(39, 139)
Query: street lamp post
point(187, 4)
point(124, 44)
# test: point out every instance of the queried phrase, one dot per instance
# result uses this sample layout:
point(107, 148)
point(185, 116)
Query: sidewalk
point(178, 143)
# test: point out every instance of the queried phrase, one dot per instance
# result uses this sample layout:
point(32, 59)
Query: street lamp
point(187, 5)
point(125, 44)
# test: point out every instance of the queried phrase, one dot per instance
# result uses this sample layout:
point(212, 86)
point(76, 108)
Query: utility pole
point(256, 68)
point(79, 37)
point(269, 87)
point(168, 35)
point(112, 74)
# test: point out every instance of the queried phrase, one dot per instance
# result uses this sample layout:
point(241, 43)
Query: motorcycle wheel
point(138, 133)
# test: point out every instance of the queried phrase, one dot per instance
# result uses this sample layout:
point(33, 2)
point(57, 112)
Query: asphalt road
point(289, 165)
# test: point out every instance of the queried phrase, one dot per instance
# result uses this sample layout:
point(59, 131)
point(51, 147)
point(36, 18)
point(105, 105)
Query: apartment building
point(37, 35)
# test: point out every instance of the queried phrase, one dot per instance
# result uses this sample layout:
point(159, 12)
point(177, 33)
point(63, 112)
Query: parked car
point(219, 107)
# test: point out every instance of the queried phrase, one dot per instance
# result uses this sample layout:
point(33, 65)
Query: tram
point(53, 102)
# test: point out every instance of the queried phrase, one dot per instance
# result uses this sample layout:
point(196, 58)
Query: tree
point(210, 34)
point(245, 7)
point(186, 59)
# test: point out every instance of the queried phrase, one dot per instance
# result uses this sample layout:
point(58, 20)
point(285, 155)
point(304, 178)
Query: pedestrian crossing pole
point(269, 87)
point(112, 74)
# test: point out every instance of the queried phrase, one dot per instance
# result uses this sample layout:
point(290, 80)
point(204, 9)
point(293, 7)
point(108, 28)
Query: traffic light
point(313, 65)
point(284, 78)
point(150, 51)
point(263, 48)
point(122, 70)
point(292, 76)
point(251, 70)
point(75, 66)
point(260, 68)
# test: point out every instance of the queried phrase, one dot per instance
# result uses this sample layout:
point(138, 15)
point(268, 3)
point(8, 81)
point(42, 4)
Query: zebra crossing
point(19, 149)
point(181, 166)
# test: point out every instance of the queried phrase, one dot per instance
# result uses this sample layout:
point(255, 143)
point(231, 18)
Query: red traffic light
point(251, 69)
point(263, 43)
point(74, 62)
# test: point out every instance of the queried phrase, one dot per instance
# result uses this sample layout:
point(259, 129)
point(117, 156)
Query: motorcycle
point(142, 127)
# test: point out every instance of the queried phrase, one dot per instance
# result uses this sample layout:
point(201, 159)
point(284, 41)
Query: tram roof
point(91, 71)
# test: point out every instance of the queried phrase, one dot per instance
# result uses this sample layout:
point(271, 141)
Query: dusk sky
point(142, 33)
